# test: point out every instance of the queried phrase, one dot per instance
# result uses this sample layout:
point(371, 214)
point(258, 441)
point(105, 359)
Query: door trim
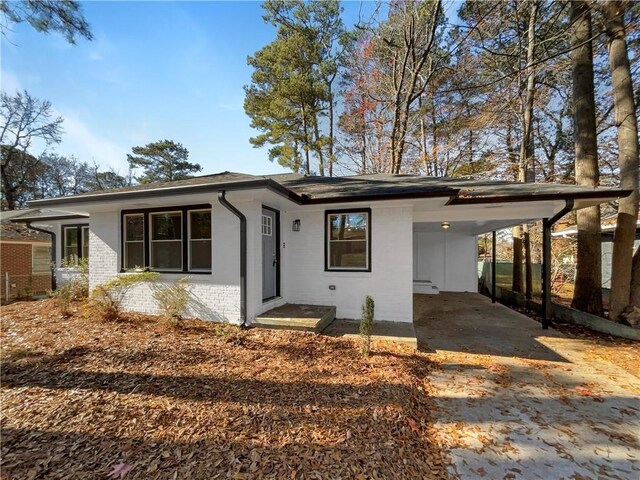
point(278, 259)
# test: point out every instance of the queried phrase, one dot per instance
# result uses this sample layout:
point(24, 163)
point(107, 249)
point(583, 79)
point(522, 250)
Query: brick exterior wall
point(16, 260)
point(214, 296)
point(390, 281)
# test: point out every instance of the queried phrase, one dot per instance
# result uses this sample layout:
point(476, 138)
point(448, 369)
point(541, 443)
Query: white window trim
point(82, 229)
point(267, 227)
point(152, 241)
point(64, 245)
point(367, 267)
point(189, 240)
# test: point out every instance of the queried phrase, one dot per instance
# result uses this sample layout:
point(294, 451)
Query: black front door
point(270, 227)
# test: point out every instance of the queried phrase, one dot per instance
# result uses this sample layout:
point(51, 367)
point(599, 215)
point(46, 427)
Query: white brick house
point(249, 243)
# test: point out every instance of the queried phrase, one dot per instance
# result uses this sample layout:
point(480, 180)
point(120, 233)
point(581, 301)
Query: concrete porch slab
point(310, 318)
point(400, 332)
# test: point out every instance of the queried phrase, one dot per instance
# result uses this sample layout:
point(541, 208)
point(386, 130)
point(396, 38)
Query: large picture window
point(168, 240)
point(348, 240)
point(75, 243)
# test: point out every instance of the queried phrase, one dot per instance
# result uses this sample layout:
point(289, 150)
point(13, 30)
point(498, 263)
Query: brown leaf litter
point(86, 399)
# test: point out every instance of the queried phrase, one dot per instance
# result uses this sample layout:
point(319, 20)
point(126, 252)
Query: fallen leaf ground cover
point(619, 351)
point(82, 398)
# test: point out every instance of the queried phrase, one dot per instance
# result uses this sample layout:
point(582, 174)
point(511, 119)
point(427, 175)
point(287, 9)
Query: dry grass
point(83, 399)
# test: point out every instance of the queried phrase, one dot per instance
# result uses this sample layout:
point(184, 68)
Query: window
point(348, 238)
point(41, 259)
point(267, 225)
point(174, 239)
point(166, 241)
point(134, 241)
point(199, 240)
point(75, 243)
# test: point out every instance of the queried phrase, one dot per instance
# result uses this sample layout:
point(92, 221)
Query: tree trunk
point(434, 134)
point(8, 189)
point(587, 294)
point(627, 157)
point(331, 132)
point(634, 298)
point(318, 146)
point(423, 138)
point(526, 147)
point(528, 150)
point(305, 145)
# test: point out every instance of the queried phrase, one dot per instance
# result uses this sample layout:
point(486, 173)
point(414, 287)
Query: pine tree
point(162, 161)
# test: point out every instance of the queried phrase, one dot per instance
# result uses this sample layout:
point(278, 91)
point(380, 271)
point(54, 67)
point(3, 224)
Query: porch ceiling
point(476, 219)
point(468, 227)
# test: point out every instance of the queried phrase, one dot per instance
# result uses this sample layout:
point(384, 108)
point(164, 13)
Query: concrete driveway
point(516, 401)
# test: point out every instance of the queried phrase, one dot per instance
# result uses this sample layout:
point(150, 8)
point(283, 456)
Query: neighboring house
point(250, 243)
point(25, 258)
point(607, 229)
point(69, 233)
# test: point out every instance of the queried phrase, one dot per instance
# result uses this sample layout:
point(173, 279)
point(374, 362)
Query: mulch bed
point(82, 398)
point(620, 351)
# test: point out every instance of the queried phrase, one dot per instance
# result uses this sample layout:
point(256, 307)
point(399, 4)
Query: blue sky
point(155, 70)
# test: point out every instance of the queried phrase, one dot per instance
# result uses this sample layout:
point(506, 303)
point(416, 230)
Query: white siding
point(389, 283)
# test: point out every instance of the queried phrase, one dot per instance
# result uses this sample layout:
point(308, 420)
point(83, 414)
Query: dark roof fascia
point(161, 192)
point(47, 218)
point(378, 197)
point(539, 197)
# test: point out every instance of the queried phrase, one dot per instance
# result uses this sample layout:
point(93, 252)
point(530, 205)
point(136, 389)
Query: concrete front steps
point(425, 287)
point(308, 318)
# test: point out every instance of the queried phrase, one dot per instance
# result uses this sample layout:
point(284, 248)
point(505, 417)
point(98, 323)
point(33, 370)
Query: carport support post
point(547, 223)
point(546, 272)
point(494, 243)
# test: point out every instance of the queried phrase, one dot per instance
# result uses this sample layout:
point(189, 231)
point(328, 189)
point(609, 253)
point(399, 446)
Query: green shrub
point(173, 299)
point(107, 298)
point(366, 325)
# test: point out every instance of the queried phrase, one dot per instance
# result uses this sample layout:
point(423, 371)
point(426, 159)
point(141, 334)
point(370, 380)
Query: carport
point(444, 239)
point(471, 323)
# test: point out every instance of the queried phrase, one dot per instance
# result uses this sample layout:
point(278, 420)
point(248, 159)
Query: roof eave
point(47, 218)
point(159, 192)
point(379, 197)
point(603, 194)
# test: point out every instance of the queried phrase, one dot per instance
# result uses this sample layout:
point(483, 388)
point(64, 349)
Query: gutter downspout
point(53, 252)
point(243, 254)
point(547, 223)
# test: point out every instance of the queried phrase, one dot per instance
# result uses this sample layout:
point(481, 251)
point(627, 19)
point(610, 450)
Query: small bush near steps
point(366, 325)
point(172, 299)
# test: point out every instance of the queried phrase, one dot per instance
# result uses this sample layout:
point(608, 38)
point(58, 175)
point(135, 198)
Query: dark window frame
point(63, 249)
point(327, 232)
point(184, 209)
